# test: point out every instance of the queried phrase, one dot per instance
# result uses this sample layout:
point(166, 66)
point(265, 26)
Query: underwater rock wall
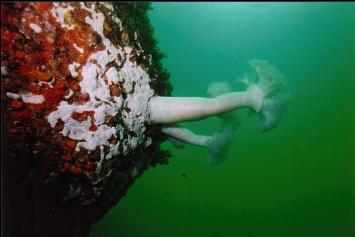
point(74, 79)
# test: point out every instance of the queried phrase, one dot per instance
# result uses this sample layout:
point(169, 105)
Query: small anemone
point(218, 145)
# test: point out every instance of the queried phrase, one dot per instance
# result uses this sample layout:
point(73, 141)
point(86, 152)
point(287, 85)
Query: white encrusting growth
point(71, 92)
point(81, 130)
point(78, 48)
point(92, 84)
point(112, 76)
point(59, 12)
point(28, 97)
point(97, 22)
point(36, 28)
point(139, 93)
point(128, 50)
point(118, 21)
point(49, 84)
point(96, 77)
point(108, 5)
point(72, 68)
point(13, 95)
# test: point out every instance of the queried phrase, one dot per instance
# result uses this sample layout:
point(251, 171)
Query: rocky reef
point(75, 81)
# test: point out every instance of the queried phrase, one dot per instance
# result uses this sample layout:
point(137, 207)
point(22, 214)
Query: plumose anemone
point(266, 94)
point(86, 104)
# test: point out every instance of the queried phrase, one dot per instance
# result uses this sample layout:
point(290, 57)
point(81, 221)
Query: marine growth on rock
point(86, 104)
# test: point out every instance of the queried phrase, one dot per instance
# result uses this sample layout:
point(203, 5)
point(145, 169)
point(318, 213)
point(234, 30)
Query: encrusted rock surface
point(74, 77)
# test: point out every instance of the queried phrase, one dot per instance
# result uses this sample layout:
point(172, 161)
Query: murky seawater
point(296, 180)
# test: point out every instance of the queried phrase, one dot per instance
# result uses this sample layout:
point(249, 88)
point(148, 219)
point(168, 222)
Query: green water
point(296, 180)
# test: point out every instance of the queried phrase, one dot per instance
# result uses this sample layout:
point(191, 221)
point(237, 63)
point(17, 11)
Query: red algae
point(80, 117)
point(71, 144)
point(16, 104)
point(39, 63)
point(67, 158)
point(89, 166)
point(93, 128)
point(115, 90)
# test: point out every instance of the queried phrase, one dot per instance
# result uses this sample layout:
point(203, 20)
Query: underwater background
point(296, 180)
